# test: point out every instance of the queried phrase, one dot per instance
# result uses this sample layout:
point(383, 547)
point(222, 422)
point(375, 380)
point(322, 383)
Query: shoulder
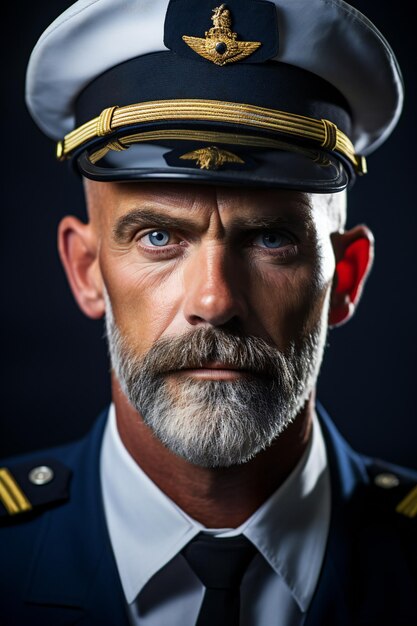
point(393, 486)
point(52, 530)
point(390, 497)
point(369, 481)
point(33, 483)
point(36, 490)
point(374, 499)
point(384, 546)
point(30, 484)
point(381, 518)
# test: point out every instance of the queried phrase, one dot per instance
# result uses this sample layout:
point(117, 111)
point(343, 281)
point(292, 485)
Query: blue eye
point(158, 237)
point(271, 240)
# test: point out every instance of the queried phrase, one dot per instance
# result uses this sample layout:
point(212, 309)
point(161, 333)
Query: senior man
point(216, 144)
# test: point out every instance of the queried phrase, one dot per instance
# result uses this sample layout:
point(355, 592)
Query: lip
point(214, 371)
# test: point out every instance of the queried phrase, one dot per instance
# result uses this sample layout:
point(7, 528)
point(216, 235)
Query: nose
point(213, 287)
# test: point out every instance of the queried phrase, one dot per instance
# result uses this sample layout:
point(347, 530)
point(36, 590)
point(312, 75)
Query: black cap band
point(166, 76)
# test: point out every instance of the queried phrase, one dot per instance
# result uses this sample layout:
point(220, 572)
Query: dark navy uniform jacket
point(57, 567)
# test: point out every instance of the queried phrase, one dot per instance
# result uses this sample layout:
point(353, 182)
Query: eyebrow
point(140, 218)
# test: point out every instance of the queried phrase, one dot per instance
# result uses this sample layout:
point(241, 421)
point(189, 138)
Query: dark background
point(54, 362)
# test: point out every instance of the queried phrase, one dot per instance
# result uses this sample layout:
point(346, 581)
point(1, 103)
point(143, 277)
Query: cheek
point(144, 299)
point(291, 300)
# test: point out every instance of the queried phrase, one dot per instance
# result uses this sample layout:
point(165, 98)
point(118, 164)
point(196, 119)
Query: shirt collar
point(290, 529)
point(147, 529)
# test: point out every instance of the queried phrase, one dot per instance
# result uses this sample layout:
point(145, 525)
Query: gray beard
point(216, 423)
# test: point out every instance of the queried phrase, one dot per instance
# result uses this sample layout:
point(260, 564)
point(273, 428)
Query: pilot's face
point(217, 302)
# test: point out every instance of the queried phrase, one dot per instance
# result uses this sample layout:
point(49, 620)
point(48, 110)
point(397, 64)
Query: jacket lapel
point(74, 578)
point(331, 602)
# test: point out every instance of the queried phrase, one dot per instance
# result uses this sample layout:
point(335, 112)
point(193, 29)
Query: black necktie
point(220, 564)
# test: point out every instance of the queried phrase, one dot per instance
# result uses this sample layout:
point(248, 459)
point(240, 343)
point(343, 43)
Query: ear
point(354, 252)
point(77, 245)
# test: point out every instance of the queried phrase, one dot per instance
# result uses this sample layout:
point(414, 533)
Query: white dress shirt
point(148, 531)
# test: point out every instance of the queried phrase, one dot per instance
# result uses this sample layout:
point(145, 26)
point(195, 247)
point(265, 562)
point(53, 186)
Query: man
point(216, 145)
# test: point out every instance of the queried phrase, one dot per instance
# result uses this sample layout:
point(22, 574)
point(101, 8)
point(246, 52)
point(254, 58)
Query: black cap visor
point(216, 160)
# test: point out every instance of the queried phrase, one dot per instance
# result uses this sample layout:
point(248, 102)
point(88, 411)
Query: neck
point(216, 497)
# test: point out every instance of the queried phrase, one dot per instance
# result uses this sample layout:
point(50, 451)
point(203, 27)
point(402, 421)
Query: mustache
point(197, 348)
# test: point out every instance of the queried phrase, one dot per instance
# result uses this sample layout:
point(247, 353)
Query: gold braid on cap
point(323, 132)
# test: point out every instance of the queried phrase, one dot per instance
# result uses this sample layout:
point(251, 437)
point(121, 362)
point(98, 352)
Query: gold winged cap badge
point(212, 157)
point(220, 44)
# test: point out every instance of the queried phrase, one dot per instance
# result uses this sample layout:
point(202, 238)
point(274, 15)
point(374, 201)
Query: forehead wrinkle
point(167, 197)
